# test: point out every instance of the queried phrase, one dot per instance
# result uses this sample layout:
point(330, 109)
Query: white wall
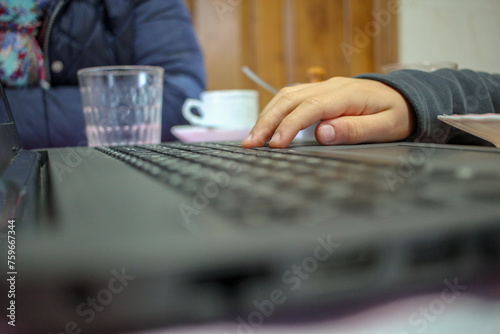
point(464, 31)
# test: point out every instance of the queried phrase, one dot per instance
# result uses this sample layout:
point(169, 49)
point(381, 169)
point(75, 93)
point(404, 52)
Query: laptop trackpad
point(446, 156)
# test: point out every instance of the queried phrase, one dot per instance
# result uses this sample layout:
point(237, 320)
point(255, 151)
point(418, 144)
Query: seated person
point(399, 106)
point(43, 43)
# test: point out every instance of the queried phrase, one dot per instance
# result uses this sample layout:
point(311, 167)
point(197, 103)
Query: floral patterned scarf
point(21, 59)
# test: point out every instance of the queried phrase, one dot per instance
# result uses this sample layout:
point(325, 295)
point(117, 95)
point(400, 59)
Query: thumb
point(380, 127)
point(338, 131)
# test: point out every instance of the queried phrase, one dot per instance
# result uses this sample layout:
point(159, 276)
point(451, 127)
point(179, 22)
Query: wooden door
point(281, 39)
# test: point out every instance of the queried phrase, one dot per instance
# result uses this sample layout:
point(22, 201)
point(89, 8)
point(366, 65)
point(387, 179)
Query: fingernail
point(326, 134)
point(275, 138)
point(248, 138)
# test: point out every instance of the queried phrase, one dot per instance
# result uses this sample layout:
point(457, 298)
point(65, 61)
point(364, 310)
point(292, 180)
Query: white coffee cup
point(223, 109)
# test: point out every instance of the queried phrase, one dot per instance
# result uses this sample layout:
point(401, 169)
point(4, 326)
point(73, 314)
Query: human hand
point(353, 111)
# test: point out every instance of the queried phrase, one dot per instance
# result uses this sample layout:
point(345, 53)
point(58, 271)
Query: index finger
point(277, 109)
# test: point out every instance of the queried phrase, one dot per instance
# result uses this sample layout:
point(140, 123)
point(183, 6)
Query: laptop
point(136, 237)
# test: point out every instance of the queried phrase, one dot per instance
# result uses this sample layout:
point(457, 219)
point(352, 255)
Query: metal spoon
point(255, 78)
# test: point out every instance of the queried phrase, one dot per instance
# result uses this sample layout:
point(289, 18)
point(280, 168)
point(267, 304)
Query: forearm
point(444, 92)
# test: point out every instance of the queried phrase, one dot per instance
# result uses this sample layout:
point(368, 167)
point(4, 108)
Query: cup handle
point(189, 104)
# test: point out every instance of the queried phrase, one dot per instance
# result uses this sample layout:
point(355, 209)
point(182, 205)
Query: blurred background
point(281, 39)
point(462, 31)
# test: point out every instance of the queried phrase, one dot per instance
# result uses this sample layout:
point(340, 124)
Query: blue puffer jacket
point(86, 33)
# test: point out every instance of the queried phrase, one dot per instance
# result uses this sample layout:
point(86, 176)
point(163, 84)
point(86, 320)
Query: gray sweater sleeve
point(444, 92)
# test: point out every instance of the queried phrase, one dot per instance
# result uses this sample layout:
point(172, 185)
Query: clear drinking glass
point(122, 104)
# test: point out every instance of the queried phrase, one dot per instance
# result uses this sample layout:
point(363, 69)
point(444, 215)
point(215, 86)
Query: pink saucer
point(189, 133)
point(485, 126)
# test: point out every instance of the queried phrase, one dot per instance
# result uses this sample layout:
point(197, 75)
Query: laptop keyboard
point(262, 184)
